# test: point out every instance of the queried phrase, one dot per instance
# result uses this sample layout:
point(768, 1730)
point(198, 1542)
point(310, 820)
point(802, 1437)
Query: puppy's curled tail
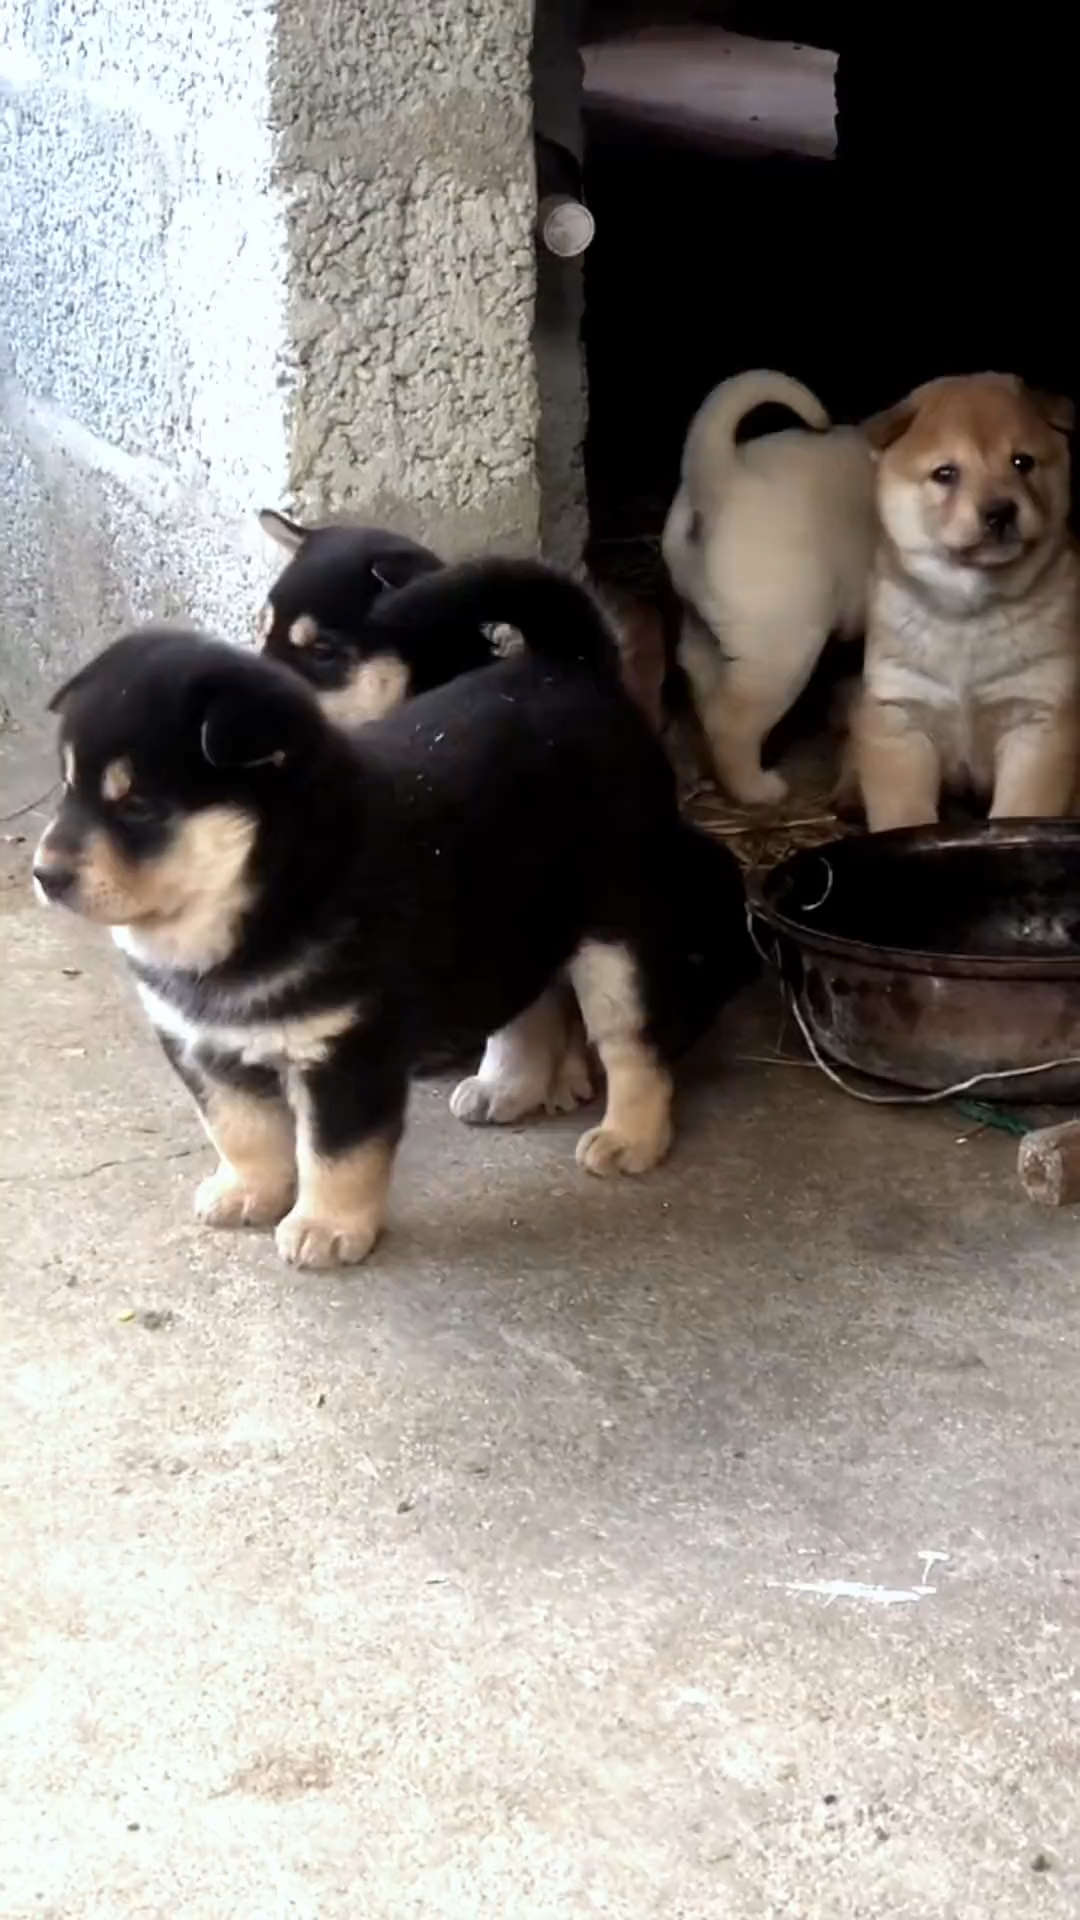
point(555, 617)
point(711, 450)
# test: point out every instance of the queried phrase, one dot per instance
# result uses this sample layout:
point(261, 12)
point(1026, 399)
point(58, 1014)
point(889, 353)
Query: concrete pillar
point(406, 170)
point(260, 253)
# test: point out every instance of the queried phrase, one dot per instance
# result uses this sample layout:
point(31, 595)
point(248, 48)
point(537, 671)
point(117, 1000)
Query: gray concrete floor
point(477, 1583)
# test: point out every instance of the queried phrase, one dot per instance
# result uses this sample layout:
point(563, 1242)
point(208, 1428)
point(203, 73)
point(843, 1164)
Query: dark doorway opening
point(709, 171)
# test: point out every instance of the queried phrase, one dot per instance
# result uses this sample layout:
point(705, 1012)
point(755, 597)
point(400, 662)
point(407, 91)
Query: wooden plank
point(717, 89)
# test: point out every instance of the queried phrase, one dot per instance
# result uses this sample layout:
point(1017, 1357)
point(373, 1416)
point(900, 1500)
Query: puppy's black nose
point(54, 881)
point(999, 517)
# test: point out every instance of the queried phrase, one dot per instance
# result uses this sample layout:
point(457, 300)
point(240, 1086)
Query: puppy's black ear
point(397, 568)
point(883, 430)
point(56, 704)
point(1058, 411)
point(263, 726)
point(61, 696)
point(287, 533)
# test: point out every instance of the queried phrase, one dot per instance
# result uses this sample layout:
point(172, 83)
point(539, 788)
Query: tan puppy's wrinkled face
point(973, 472)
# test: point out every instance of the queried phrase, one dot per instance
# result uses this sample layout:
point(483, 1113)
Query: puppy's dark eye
point(1024, 462)
point(135, 809)
point(946, 476)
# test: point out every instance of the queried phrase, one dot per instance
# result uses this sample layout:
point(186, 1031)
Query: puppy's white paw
point(494, 1103)
point(306, 1242)
point(573, 1084)
point(766, 788)
point(222, 1200)
point(606, 1150)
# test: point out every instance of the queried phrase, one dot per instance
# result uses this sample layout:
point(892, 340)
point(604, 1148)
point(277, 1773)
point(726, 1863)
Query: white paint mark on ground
point(875, 1595)
point(930, 1557)
point(830, 1590)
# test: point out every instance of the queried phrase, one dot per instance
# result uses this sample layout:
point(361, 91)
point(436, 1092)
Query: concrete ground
point(492, 1581)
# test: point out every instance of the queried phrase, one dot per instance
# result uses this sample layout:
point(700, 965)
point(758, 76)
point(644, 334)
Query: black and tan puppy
point(307, 912)
point(320, 620)
point(317, 619)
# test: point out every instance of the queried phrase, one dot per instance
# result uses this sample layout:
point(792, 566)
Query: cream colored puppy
point(769, 545)
point(972, 669)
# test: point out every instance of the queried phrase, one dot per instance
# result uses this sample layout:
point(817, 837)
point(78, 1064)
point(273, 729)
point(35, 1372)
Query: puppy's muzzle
point(54, 881)
point(999, 518)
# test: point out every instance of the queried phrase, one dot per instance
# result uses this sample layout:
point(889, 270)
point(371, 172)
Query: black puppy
point(307, 912)
point(317, 619)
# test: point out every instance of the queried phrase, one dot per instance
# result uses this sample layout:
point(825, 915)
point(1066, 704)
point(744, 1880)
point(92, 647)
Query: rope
point(917, 1099)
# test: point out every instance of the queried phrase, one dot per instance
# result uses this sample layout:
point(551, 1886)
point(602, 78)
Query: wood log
point(1048, 1163)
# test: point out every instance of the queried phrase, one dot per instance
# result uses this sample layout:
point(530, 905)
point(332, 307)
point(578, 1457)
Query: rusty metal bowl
point(929, 956)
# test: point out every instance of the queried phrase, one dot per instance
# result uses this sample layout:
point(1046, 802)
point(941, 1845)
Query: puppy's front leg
point(349, 1112)
point(899, 767)
point(256, 1180)
point(1035, 770)
point(635, 1132)
point(249, 1124)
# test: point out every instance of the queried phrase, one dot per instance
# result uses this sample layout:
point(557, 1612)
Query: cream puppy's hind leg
point(742, 692)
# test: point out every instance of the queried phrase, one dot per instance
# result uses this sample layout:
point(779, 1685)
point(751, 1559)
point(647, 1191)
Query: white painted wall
point(260, 251)
point(143, 366)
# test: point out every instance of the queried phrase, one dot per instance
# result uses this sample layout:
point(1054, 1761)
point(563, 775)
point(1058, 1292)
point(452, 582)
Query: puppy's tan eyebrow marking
point(68, 764)
point(304, 630)
point(116, 781)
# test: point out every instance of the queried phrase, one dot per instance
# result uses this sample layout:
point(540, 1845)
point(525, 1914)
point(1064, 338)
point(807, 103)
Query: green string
point(1004, 1119)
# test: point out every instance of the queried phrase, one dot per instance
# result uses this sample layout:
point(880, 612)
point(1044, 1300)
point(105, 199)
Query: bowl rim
point(763, 884)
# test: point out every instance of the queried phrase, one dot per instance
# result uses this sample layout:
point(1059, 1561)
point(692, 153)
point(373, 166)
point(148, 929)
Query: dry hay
point(762, 836)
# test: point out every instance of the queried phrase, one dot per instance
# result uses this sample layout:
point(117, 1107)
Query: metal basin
point(928, 956)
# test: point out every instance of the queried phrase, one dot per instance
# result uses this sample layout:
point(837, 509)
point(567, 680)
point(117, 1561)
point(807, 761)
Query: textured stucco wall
point(406, 163)
point(142, 290)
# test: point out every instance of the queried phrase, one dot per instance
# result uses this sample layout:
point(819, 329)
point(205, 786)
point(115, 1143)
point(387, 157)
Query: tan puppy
point(973, 641)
